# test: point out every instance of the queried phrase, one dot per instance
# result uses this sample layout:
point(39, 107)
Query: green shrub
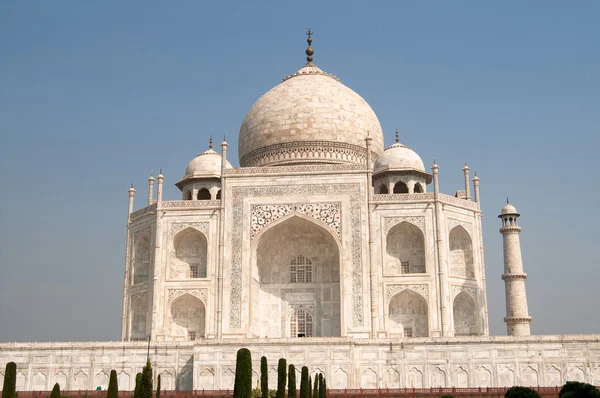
point(521, 392)
point(309, 386)
point(10, 381)
point(315, 393)
point(138, 385)
point(291, 381)
point(55, 391)
point(264, 377)
point(113, 389)
point(243, 374)
point(146, 386)
point(281, 378)
point(576, 389)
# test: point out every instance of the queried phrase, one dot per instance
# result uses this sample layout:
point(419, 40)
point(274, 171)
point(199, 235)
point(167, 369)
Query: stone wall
point(347, 363)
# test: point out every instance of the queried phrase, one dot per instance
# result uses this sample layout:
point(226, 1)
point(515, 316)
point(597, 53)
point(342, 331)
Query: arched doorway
point(296, 281)
point(187, 318)
point(464, 310)
point(408, 314)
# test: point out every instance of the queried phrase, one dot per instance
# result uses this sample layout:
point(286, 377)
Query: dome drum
point(303, 152)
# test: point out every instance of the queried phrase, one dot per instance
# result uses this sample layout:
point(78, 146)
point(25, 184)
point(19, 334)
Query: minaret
point(131, 192)
point(159, 190)
point(476, 187)
point(150, 188)
point(467, 186)
point(517, 314)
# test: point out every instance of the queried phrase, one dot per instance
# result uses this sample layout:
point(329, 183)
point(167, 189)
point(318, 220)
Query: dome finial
point(309, 50)
point(507, 202)
point(210, 142)
point(397, 136)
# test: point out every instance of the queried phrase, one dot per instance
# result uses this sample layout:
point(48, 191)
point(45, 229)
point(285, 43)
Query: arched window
point(400, 187)
point(218, 194)
point(139, 316)
point(188, 317)
point(188, 195)
point(383, 189)
point(301, 270)
point(203, 194)
point(141, 261)
point(418, 188)
point(301, 324)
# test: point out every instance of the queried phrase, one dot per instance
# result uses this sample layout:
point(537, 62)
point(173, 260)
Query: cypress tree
point(321, 386)
point(113, 389)
point(158, 387)
point(264, 377)
point(324, 387)
point(10, 381)
point(281, 375)
point(310, 386)
point(304, 383)
point(243, 374)
point(55, 391)
point(145, 390)
point(315, 393)
point(138, 385)
point(292, 381)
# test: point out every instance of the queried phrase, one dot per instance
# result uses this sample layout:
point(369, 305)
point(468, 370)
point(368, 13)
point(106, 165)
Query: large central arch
point(295, 289)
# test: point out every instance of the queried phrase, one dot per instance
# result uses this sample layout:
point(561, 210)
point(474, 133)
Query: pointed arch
point(203, 194)
point(461, 253)
point(188, 195)
point(418, 188)
point(187, 317)
point(191, 251)
point(139, 318)
point(218, 195)
point(295, 283)
point(405, 250)
point(383, 189)
point(408, 314)
point(141, 260)
point(400, 187)
point(466, 319)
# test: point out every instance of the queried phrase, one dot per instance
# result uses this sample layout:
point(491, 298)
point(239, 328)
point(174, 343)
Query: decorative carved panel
point(389, 222)
point(392, 290)
point(453, 222)
point(328, 213)
point(180, 226)
point(202, 294)
point(455, 289)
point(142, 232)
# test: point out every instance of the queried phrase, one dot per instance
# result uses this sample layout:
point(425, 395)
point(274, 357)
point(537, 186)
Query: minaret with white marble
point(517, 314)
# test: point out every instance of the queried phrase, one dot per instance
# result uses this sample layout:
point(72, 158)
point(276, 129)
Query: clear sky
point(95, 95)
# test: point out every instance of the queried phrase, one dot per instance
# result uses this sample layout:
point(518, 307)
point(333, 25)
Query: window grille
point(191, 336)
point(194, 270)
point(408, 332)
point(301, 270)
point(301, 324)
point(404, 265)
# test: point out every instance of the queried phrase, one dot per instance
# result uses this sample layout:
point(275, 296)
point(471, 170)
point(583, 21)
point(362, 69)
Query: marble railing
point(190, 204)
point(143, 211)
point(312, 168)
point(424, 197)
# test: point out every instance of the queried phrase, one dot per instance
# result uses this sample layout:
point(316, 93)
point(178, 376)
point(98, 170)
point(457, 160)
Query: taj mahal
point(325, 247)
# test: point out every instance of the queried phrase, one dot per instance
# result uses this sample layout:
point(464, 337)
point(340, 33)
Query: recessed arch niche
point(405, 250)
point(408, 314)
point(187, 318)
point(464, 311)
point(296, 271)
point(461, 253)
point(141, 260)
point(189, 256)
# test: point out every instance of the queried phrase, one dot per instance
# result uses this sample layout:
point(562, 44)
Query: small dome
point(508, 209)
point(206, 164)
point(310, 117)
point(398, 157)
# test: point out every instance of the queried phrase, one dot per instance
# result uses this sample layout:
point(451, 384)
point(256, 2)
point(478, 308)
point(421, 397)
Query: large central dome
point(310, 117)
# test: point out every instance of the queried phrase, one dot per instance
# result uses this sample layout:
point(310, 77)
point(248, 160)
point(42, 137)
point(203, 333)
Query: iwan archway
point(295, 286)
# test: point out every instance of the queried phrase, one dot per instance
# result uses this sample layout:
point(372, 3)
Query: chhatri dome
point(398, 157)
point(205, 164)
point(310, 117)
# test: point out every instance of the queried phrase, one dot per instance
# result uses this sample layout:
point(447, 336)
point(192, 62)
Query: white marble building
point(324, 247)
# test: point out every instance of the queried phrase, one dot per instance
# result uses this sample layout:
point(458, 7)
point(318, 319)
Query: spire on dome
point(397, 136)
point(210, 142)
point(309, 50)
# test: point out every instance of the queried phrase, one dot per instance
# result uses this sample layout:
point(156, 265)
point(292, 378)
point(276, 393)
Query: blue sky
point(95, 95)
